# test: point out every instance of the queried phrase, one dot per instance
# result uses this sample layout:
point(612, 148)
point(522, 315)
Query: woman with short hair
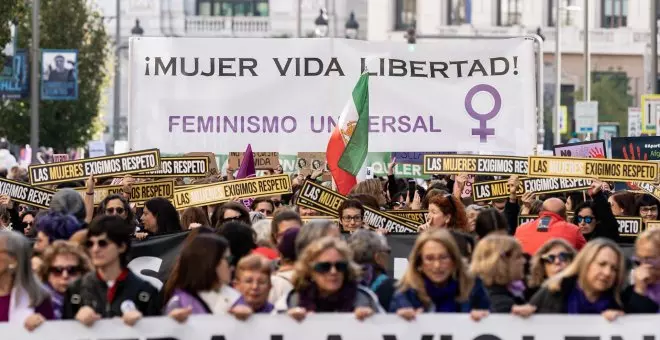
point(555, 255)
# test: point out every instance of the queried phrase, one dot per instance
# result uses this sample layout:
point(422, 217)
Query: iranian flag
point(349, 142)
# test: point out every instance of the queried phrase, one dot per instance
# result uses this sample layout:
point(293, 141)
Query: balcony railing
point(209, 26)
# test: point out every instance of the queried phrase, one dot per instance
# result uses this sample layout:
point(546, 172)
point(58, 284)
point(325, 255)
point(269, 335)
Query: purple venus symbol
point(482, 131)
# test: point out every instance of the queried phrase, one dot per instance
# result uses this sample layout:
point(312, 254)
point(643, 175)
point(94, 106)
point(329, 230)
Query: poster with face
point(59, 70)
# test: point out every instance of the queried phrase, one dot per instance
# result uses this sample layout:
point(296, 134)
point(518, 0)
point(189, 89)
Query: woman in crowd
point(325, 281)
point(68, 202)
point(230, 211)
point(490, 221)
point(644, 292)
point(370, 251)
point(595, 217)
point(252, 280)
point(591, 284)
point(372, 187)
point(282, 221)
point(22, 299)
point(471, 212)
point(63, 263)
point(282, 280)
point(117, 205)
point(159, 217)
point(437, 281)
point(647, 207)
point(54, 226)
point(314, 230)
point(193, 217)
point(445, 212)
point(27, 218)
point(555, 255)
point(351, 214)
point(623, 203)
point(241, 238)
point(200, 280)
point(500, 263)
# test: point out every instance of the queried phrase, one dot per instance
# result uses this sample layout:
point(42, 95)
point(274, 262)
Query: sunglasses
point(653, 262)
point(586, 219)
point(326, 267)
point(59, 271)
point(562, 257)
point(101, 243)
point(265, 211)
point(277, 203)
point(111, 211)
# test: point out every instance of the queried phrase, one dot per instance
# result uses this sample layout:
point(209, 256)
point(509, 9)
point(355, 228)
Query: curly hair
point(537, 270)
point(61, 247)
point(302, 276)
point(449, 205)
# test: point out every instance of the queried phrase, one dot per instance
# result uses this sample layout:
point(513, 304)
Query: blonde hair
point(302, 275)
point(372, 187)
point(253, 262)
point(584, 259)
point(61, 247)
point(412, 279)
point(493, 258)
point(649, 235)
point(537, 269)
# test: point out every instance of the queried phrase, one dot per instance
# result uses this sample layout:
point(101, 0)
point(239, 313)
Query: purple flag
point(247, 165)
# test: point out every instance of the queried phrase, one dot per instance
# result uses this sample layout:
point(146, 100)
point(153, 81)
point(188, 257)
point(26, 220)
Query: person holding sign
point(647, 207)
point(326, 281)
point(351, 213)
point(552, 258)
point(437, 280)
point(595, 218)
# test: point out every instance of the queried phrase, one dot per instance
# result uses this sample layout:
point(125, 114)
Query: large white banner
point(285, 95)
point(346, 327)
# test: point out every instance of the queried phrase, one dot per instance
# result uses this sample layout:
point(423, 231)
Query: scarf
point(579, 304)
point(443, 297)
point(57, 300)
point(517, 288)
point(342, 301)
point(653, 293)
point(265, 309)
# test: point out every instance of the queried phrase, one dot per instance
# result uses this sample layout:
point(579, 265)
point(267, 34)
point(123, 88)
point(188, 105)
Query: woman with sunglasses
point(63, 263)
point(555, 255)
point(200, 280)
point(117, 205)
point(230, 211)
point(27, 220)
point(595, 218)
point(437, 280)
point(326, 281)
point(643, 294)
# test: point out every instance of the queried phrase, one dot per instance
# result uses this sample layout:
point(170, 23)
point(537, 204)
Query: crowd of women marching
point(71, 261)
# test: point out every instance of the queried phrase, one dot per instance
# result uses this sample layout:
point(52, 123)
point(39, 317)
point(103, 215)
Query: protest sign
point(96, 148)
point(190, 166)
point(475, 164)
point(650, 107)
point(415, 157)
point(262, 160)
point(629, 228)
point(220, 192)
point(634, 121)
point(652, 224)
point(15, 78)
point(649, 188)
point(26, 194)
point(602, 169)
point(60, 157)
point(59, 80)
point(416, 216)
point(140, 192)
point(188, 93)
point(213, 162)
point(590, 149)
point(121, 164)
point(307, 219)
point(327, 201)
point(492, 190)
point(309, 162)
point(522, 219)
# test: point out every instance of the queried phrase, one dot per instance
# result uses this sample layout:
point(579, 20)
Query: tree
point(10, 10)
point(64, 24)
point(610, 90)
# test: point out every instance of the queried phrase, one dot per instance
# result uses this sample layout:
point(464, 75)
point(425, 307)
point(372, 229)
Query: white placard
point(280, 94)
point(586, 117)
point(96, 148)
point(634, 121)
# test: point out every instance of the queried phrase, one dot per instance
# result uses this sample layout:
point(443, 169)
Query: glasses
point(652, 261)
point(70, 270)
point(561, 257)
point(258, 283)
point(439, 258)
point(265, 211)
point(233, 218)
point(356, 218)
point(648, 209)
point(100, 243)
point(112, 211)
point(326, 267)
point(586, 219)
point(31, 223)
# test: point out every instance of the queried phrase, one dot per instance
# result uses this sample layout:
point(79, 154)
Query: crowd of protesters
point(71, 261)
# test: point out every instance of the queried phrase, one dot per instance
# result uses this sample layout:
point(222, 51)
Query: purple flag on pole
point(247, 165)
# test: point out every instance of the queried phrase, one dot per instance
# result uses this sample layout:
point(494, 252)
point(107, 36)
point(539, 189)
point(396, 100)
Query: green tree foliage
point(64, 24)
point(10, 10)
point(611, 92)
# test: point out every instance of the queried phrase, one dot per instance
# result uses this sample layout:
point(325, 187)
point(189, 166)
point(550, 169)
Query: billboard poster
point(59, 80)
point(589, 149)
point(14, 77)
point(635, 148)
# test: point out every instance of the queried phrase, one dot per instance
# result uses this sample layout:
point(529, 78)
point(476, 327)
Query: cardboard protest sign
point(307, 162)
point(262, 160)
point(121, 164)
point(416, 216)
point(474, 164)
point(522, 219)
point(140, 192)
point(652, 225)
point(327, 201)
point(602, 169)
point(629, 228)
point(224, 191)
point(590, 149)
point(26, 194)
point(649, 188)
point(307, 219)
point(213, 163)
point(415, 157)
point(190, 166)
point(60, 157)
point(491, 190)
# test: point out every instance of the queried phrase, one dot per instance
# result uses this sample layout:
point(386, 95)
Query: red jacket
point(532, 239)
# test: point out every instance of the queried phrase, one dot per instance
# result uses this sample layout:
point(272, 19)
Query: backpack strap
point(380, 279)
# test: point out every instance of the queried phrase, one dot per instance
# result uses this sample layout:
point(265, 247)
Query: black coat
point(607, 226)
point(501, 299)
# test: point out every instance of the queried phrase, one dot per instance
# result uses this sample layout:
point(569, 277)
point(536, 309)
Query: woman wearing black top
point(595, 218)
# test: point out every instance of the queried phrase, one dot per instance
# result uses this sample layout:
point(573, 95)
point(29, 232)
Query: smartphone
point(544, 223)
point(412, 187)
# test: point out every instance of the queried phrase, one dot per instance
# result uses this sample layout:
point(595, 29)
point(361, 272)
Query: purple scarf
point(266, 308)
point(443, 297)
point(342, 301)
point(57, 300)
point(653, 293)
point(517, 288)
point(579, 304)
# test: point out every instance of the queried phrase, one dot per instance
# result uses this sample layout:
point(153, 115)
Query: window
point(230, 8)
point(459, 12)
point(509, 12)
point(567, 16)
point(406, 14)
point(615, 13)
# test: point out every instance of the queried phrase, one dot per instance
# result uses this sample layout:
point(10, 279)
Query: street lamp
point(137, 29)
point(556, 111)
point(352, 27)
point(321, 23)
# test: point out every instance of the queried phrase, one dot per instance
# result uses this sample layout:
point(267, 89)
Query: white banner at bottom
point(346, 327)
